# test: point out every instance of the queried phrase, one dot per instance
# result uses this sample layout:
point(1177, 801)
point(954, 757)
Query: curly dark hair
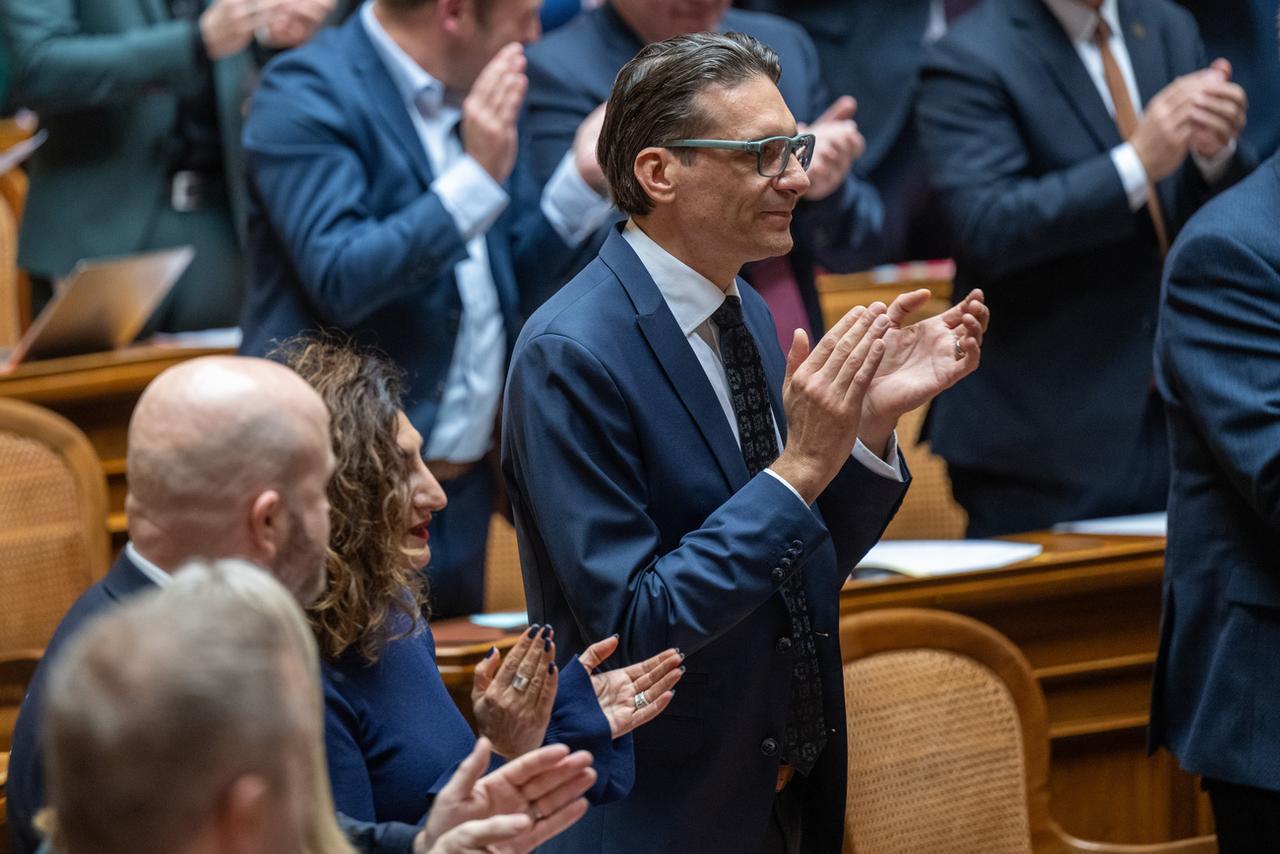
point(373, 594)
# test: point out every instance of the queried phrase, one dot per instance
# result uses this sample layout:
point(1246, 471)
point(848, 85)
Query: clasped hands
point(1201, 112)
point(228, 26)
point(864, 374)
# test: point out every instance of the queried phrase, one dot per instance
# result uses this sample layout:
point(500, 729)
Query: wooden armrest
point(1068, 844)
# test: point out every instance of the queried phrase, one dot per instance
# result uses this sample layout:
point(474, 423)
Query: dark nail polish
point(491, 651)
point(533, 630)
point(551, 668)
point(546, 646)
point(678, 651)
point(616, 635)
point(546, 631)
point(682, 668)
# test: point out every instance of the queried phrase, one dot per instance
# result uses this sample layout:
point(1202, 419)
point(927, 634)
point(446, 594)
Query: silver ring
point(959, 351)
point(641, 700)
point(519, 682)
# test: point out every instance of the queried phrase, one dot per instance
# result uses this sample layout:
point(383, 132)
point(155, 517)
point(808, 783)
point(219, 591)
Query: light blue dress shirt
point(465, 424)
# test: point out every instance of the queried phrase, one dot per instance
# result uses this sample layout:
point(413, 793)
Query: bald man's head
point(230, 456)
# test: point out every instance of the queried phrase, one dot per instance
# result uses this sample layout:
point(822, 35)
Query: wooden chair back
point(10, 280)
point(503, 583)
point(949, 742)
point(928, 511)
point(53, 537)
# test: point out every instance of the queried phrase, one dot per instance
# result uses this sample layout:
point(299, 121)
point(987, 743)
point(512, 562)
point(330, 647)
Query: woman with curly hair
point(392, 732)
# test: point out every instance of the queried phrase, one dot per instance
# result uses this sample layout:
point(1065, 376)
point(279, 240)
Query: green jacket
point(105, 77)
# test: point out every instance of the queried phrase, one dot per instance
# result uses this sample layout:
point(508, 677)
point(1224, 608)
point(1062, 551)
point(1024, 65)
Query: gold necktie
point(1127, 122)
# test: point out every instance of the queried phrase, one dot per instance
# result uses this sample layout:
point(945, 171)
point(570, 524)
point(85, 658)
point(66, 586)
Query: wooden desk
point(1086, 613)
point(97, 393)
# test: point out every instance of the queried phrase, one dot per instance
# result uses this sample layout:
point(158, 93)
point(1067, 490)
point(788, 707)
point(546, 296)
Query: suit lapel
point(676, 357)
point(1044, 36)
point(1146, 52)
point(381, 91)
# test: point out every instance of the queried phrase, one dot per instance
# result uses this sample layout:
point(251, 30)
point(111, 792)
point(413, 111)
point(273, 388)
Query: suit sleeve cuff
point(574, 210)
point(1213, 168)
point(1133, 175)
point(471, 196)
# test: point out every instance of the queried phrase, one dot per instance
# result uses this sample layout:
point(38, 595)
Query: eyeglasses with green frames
point(773, 153)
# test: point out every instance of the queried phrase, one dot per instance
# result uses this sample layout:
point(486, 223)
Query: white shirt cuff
point(1133, 175)
point(889, 467)
point(1213, 168)
point(574, 210)
point(471, 196)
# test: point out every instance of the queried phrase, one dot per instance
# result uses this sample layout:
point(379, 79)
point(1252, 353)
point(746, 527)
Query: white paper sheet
point(1142, 525)
point(924, 558)
point(505, 620)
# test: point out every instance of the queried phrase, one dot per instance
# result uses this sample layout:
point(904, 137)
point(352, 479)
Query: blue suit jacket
point(1216, 696)
point(344, 230)
point(636, 515)
point(571, 72)
point(1018, 138)
point(25, 789)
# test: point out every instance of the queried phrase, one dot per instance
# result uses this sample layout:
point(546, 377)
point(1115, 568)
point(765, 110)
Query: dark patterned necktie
point(748, 390)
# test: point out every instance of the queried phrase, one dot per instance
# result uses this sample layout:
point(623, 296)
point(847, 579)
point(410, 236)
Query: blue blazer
point(1018, 140)
point(25, 789)
point(571, 72)
point(635, 515)
point(1216, 694)
point(345, 232)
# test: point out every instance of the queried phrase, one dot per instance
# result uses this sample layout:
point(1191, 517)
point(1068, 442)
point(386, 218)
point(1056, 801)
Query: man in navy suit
point(675, 482)
point(837, 226)
point(228, 457)
point(1069, 141)
point(386, 200)
point(1216, 692)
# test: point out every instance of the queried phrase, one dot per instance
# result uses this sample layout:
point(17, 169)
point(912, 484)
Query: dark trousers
point(785, 833)
point(1247, 819)
point(459, 535)
point(1133, 480)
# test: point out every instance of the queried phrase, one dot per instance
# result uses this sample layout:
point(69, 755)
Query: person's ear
point(658, 171)
point(452, 15)
point(244, 819)
point(267, 525)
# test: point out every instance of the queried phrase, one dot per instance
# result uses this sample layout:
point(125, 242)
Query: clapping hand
point(838, 144)
point(292, 22)
point(632, 696)
point(512, 699)
point(490, 110)
point(921, 360)
point(1218, 110)
point(511, 810)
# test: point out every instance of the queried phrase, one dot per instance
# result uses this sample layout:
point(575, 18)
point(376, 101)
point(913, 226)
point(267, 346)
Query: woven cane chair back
point(503, 584)
point(53, 537)
point(928, 512)
point(947, 737)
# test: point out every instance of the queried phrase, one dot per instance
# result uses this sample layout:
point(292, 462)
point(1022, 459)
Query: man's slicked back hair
point(654, 100)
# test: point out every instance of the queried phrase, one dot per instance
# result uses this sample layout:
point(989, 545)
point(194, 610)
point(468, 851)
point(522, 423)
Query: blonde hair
point(157, 706)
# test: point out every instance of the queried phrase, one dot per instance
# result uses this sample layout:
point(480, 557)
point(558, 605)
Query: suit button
point(797, 545)
point(778, 574)
point(785, 563)
point(769, 746)
point(783, 645)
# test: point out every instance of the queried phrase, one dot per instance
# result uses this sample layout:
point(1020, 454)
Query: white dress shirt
point(464, 425)
point(1080, 22)
point(693, 299)
point(155, 574)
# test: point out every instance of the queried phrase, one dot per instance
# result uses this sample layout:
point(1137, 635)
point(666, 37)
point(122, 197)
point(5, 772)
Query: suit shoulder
point(1242, 216)
point(304, 82)
point(585, 308)
point(981, 40)
point(569, 46)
